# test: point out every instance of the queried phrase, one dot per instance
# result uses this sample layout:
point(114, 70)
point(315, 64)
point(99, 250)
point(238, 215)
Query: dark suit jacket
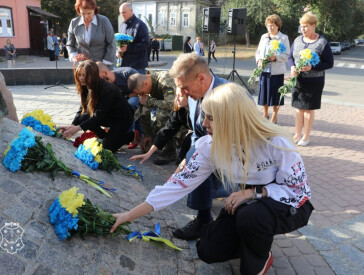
point(112, 107)
point(102, 44)
point(187, 48)
point(136, 55)
point(192, 104)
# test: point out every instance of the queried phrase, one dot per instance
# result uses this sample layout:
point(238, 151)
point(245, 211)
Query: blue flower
point(62, 220)
point(18, 149)
point(314, 59)
point(86, 157)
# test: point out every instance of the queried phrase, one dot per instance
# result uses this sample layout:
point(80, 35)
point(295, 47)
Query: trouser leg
point(249, 233)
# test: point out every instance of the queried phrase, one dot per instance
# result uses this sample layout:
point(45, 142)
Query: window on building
point(186, 19)
point(173, 18)
point(161, 19)
point(6, 22)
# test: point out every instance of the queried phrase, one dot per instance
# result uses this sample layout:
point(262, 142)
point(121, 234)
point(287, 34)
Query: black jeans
point(156, 52)
point(249, 233)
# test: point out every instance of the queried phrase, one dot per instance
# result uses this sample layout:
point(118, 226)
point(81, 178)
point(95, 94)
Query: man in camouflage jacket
point(156, 93)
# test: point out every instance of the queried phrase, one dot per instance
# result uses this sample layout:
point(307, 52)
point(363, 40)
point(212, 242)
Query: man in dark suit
point(192, 75)
point(135, 55)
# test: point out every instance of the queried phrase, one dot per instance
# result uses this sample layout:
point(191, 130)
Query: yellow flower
point(98, 159)
point(95, 148)
point(306, 54)
point(7, 149)
point(274, 45)
point(71, 200)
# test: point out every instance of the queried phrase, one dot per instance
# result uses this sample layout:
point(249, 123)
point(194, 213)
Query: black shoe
point(190, 231)
point(165, 157)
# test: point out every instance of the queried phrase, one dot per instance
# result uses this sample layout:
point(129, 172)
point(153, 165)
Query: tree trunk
point(247, 38)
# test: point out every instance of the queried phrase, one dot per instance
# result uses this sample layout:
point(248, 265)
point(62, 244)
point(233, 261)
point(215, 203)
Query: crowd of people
point(229, 150)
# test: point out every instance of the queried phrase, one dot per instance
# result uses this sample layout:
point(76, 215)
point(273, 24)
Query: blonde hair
point(309, 18)
point(189, 64)
point(274, 19)
point(239, 130)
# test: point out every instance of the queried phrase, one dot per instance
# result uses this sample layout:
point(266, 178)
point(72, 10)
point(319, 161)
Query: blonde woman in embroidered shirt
point(266, 166)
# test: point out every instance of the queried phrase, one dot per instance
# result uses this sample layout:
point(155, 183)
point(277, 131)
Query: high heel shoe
point(268, 264)
point(134, 144)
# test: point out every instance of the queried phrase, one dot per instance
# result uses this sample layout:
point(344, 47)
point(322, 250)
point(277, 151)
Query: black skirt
point(268, 89)
point(307, 96)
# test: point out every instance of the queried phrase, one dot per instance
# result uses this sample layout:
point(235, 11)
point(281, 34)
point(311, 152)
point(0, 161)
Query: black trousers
point(52, 57)
point(249, 233)
point(115, 137)
point(156, 52)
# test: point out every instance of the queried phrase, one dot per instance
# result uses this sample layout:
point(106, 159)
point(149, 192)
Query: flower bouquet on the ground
point(275, 48)
point(307, 58)
point(41, 122)
point(91, 152)
point(71, 214)
point(28, 153)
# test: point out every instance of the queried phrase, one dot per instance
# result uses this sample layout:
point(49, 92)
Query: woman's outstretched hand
point(142, 158)
point(120, 219)
point(69, 131)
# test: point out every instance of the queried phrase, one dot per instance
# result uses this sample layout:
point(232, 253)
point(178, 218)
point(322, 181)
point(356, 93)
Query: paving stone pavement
point(332, 243)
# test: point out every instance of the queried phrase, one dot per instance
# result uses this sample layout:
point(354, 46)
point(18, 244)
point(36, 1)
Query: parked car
point(335, 47)
point(356, 41)
point(342, 45)
point(347, 44)
point(361, 40)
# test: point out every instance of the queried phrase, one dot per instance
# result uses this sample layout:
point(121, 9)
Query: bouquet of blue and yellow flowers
point(71, 214)
point(307, 58)
point(275, 48)
point(41, 122)
point(28, 153)
point(123, 39)
point(92, 153)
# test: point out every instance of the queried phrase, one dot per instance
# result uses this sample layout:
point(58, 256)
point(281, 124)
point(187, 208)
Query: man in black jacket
point(135, 55)
point(155, 48)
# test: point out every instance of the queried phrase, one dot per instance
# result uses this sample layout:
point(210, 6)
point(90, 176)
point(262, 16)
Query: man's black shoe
point(165, 157)
point(190, 231)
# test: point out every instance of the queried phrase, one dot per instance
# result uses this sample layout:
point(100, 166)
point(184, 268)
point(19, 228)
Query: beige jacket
point(279, 65)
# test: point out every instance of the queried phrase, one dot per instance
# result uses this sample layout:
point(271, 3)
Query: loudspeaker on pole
point(236, 21)
point(211, 20)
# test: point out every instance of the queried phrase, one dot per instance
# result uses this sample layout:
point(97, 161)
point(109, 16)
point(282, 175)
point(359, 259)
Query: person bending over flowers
point(246, 152)
point(102, 105)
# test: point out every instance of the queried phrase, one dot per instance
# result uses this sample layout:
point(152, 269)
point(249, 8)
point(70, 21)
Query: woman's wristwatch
point(181, 167)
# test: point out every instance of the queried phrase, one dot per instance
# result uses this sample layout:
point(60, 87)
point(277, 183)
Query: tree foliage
point(338, 20)
point(65, 9)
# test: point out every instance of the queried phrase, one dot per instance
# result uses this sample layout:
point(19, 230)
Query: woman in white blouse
point(269, 182)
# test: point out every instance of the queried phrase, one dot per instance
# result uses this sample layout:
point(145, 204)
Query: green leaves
point(94, 220)
point(42, 158)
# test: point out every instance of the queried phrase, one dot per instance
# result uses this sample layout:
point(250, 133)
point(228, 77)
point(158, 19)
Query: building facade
point(172, 17)
point(25, 23)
